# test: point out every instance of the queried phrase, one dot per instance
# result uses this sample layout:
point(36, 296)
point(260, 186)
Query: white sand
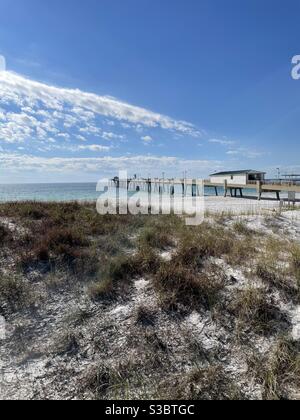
point(210, 204)
point(239, 205)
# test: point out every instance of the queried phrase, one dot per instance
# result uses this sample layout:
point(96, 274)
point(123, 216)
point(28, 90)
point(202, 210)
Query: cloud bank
point(109, 165)
point(45, 111)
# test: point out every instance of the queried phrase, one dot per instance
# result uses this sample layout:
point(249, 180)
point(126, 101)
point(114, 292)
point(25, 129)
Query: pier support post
point(225, 188)
point(259, 189)
point(194, 190)
point(216, 191)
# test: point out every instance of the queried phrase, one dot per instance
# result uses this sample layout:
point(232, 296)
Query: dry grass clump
point(103, 382)
point(118, 273)
point(98, 380)
point(145, 316)
point(35, 210)
point(295, 263)
point(154, 342)
point(122, 269)
point(65, 344)
point(116, 278)
point(279, 267)
point(4, 234)
point(31, 210)
point(68, 215)
point(102, 290)
point(295, 254)
point(273, 223)
point(15, 293)
point(254, 308)
point(241, 250)
point(241, 228)
point(58, 247)
point(78, 316)
point(69, 236)
point(188, 281)
point(179, 286)
point(155, 237)
point(278, 278)
point(206, 383)
point(279, 371)
point(57, 238)
point(112, 245)
point(214, 241)
point(146, 261)
point(203, 242)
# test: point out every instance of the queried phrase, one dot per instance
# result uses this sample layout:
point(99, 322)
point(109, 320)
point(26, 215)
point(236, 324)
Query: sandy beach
point(203, 205)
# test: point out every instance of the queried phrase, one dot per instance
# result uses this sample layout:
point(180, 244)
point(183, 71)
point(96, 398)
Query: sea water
point(69, 192)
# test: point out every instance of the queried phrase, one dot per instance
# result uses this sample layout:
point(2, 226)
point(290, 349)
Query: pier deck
point(163, 185)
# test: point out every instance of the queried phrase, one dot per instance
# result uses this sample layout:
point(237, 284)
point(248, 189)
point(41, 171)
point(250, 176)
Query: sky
point(148, 86)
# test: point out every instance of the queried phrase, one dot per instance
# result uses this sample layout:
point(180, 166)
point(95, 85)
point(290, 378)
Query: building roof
point(245, 172)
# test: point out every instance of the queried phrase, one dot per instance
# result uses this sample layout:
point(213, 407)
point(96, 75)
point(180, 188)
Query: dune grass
point(254, 307)
point(68, 248)
point(180, 284)
point(279, 370)
point(15, 292)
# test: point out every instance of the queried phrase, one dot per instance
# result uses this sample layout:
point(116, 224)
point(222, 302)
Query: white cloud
point(246, 153)
point(65, 136)
point(81, 138)
point(53, 146)
point(91, 129)
point(147, 139)
point(17, 163)
point(112, 136)
point(49, 108)
point(222, 142)
point(94, 148)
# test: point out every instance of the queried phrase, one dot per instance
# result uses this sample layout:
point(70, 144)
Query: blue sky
point(148, 86)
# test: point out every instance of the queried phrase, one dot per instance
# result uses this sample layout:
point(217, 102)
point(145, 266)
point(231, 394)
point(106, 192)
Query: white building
point(237, 177)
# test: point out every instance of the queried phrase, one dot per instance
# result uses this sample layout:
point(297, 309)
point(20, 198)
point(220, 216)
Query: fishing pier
point(232, 184)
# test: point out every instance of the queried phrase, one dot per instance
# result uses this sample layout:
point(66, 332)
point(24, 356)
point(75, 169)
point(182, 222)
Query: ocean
point(62, 192)
point(49, 192)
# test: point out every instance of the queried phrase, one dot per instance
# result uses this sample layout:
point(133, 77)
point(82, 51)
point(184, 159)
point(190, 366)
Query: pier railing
point(276, 182)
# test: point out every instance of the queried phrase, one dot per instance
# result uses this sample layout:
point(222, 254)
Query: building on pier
point(245, 177)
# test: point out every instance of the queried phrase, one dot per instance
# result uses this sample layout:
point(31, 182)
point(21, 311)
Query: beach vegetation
point(278, 371)
point(170, 311)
